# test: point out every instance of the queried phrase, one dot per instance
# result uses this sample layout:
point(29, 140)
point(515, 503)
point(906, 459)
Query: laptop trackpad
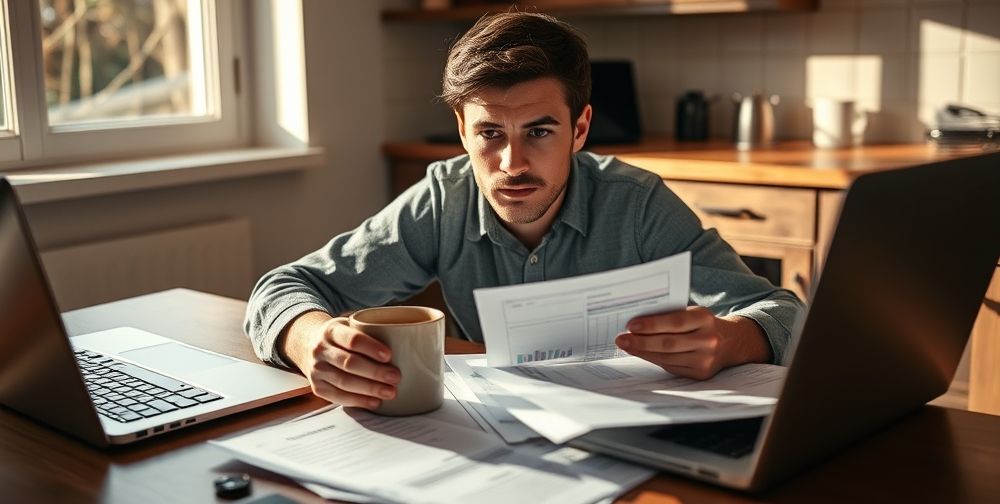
point(176, 359)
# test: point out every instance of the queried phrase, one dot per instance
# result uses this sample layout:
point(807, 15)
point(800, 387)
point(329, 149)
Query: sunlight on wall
point(846, 77)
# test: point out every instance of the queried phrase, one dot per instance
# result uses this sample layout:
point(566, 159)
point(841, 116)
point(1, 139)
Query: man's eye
point(489, 134)
point(538, 132)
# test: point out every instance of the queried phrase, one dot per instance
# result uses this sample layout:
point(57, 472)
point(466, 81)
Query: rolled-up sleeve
point(390, 256)
point(720, 280)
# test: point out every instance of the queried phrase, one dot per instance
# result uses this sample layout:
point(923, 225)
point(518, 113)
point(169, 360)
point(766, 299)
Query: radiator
point(212, 257)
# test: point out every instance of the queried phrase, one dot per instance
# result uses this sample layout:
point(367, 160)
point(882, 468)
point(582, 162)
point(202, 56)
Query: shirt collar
point(574, 212)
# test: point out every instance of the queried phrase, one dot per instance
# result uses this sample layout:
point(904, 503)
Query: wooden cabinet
point(766, 225)
point(984, 372)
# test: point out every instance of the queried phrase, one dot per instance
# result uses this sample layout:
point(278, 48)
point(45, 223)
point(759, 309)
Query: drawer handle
point(803, 284)
point(733, 213)
point(991, 305)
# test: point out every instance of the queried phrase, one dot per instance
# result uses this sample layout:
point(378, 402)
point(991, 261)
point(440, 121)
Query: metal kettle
point(753, 124)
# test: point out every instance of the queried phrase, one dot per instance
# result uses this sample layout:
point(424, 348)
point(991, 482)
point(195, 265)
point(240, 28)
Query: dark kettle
point(692, 117)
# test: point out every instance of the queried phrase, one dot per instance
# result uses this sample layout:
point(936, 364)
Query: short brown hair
point(502, 50)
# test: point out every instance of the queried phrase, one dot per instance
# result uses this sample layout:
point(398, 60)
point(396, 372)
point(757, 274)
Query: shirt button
point(533, 259)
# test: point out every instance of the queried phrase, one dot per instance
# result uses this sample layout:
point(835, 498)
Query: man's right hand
point(343, 365)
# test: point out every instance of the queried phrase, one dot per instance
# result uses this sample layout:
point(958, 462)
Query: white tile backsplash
point(742, 35)
point(833, 32)
point(981, 78)
point(699, 36)
point(830, 77)
point(701, 73)
point(936, 29)
point(938, 78)
point(786, 33)
point(899, 59)
point(785, 75)
point(744, 74)
point(883, 30)
point(982, 32)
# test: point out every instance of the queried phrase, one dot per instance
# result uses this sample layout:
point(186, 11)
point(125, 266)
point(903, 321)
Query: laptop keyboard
point(731, 438)
point(126, 393)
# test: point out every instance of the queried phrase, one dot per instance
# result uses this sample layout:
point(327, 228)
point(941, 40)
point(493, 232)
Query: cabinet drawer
point(752, 212)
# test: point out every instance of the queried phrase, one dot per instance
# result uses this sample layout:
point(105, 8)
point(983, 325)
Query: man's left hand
point(694, 343)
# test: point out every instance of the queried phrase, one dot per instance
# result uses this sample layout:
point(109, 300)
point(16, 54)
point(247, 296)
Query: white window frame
point(10, 143)
point(36, 143)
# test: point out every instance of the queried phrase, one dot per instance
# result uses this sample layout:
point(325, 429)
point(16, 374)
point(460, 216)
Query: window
point(10, 147)
point(99, 79)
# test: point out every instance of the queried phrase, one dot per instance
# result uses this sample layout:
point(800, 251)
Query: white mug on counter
point(837, 123)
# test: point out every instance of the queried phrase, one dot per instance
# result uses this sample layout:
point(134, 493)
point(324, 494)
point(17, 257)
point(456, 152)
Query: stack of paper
point(552, 367)
point(440, 457)
point(567, 400)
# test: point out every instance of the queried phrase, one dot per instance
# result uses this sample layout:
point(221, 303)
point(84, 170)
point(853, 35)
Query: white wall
point(901, 59)
point(290, 214)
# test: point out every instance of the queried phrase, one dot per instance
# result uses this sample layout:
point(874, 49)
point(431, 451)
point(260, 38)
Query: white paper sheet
point(452, 411)
point(482, 396)
point(562, 401)
point(417, 459)
point(577, 318)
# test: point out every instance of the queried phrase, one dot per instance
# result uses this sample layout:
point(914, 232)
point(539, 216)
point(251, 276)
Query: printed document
point(577, 319)
point(418, 459)
point(484, 400)
point(564, 400)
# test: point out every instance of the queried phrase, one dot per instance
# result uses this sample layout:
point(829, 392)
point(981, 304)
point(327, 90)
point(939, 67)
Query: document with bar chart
point(577, 319)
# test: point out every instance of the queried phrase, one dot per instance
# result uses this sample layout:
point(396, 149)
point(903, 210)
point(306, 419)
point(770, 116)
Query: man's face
point(520, 141)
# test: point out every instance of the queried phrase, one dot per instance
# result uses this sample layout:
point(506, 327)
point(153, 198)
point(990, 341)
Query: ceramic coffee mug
point(837, 123)
point(416, 336)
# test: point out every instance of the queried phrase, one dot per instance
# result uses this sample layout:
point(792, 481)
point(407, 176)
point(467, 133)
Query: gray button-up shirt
point(614, 215)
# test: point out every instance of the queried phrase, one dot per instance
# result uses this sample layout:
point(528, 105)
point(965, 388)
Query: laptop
point(110, 387)
point(887, 323)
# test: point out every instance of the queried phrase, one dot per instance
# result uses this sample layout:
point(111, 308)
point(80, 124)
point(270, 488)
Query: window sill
point(43, 185)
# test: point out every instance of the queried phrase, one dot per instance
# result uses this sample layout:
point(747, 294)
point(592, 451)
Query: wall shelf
point(591, 8)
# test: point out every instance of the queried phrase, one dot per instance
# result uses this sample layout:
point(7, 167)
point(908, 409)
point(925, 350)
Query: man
point(524, 205)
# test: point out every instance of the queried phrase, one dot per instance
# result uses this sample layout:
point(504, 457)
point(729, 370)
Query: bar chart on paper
point(539, 355)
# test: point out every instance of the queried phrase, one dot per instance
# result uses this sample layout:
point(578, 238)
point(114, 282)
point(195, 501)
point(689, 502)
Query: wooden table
point(935, 455)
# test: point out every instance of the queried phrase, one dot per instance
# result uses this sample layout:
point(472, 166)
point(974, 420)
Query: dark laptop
point(888, 321)
point(115, 386)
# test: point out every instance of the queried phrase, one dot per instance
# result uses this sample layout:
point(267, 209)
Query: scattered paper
point(562, 401)
point(487, 400)
point(417, 459)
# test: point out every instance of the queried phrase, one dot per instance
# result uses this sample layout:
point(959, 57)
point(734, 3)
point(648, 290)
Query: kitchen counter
point(787, 164)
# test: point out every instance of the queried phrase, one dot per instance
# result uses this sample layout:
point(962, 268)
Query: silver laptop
point(108, 387)
point(907, 269)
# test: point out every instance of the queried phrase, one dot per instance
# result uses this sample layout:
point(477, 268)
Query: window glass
point(131, 60)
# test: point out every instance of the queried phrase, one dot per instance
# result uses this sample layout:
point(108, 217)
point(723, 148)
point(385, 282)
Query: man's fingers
point(690, 319)
point(360, 365)
point(667, 343)
point(337, 396)
point(351, 339)
point(355, 384)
